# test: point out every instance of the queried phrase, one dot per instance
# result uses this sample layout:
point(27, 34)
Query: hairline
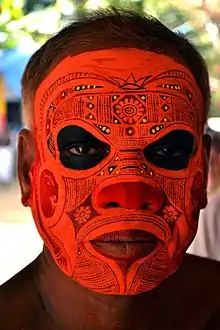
point(80, 38)
point(77, 51)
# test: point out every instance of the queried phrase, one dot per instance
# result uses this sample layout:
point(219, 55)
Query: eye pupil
point(165, 150)
point(83, 150)
point(80, 149)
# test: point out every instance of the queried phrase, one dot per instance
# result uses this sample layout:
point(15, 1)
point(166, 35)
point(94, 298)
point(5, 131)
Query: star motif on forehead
point(131, 83)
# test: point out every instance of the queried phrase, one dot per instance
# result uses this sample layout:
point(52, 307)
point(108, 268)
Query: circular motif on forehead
point(130, 131)
point(129, 109)
point(48, 193)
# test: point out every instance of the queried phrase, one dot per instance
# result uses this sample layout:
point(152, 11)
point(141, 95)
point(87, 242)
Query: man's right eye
point(81, 150)
point(83, 156)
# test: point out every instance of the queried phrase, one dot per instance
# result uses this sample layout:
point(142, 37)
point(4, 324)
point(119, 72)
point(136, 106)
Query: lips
point(125, 245)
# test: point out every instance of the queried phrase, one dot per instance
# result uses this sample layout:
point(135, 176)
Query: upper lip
point(126, 236)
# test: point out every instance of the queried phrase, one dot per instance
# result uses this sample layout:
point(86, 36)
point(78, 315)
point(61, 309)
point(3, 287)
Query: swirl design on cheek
point(125, 180)
point(49, 195)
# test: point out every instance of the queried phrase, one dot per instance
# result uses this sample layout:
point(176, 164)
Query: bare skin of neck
point(73, 307)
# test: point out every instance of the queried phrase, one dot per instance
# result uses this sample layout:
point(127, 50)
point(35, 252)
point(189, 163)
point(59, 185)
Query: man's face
point(117, 183)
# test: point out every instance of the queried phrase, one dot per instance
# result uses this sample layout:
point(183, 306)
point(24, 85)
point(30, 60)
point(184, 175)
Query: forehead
point(120, 93)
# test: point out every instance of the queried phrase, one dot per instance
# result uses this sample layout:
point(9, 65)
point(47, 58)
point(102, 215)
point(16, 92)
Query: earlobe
point(26, 155)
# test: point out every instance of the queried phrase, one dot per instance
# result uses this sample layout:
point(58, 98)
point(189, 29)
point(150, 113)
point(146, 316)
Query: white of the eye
point(164, 151)
point(79, 151)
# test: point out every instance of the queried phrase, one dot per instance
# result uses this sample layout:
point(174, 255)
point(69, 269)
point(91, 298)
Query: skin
point(31, 299)
point(42, 297)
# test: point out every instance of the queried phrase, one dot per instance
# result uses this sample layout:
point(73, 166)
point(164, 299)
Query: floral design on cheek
point(82, 214)
point(170, 214)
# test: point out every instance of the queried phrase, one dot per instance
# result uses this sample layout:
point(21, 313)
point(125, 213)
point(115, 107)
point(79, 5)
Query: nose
point(130, 195)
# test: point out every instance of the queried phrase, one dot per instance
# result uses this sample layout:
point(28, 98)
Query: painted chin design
point(126, 245)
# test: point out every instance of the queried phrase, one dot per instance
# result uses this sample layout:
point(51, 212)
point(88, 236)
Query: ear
point(26, 156)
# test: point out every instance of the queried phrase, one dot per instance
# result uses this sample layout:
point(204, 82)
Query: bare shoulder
point(201, 277)
point(19, 300)
point(205, 268)
point(196, 282)
point(191, 296)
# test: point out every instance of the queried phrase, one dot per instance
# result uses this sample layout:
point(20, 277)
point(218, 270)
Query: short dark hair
point(111, 29)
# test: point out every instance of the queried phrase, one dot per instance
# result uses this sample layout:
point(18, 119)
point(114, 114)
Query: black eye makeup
point(171, 152)
point(79, 149)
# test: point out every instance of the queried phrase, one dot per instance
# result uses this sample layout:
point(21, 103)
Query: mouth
point(125, 245)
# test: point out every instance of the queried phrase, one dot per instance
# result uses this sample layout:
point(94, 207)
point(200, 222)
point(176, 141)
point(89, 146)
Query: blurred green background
point(25, 22)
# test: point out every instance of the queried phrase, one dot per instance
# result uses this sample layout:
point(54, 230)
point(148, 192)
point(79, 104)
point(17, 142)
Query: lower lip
point(130, 251)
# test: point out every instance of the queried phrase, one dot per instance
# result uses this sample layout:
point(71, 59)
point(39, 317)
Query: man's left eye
point(171, 152)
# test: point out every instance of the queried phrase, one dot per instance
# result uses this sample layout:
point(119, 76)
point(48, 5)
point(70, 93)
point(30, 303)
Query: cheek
point(197, 192)
point(49, 193)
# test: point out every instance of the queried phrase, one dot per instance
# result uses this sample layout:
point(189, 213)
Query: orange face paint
point(127, 99)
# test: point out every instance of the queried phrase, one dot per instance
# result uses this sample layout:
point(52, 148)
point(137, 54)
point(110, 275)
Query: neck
point(72, 306)
point(214, 185)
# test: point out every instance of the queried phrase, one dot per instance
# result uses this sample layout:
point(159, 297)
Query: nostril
point(145, 206)
point(112, 205)
point(129, 196)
